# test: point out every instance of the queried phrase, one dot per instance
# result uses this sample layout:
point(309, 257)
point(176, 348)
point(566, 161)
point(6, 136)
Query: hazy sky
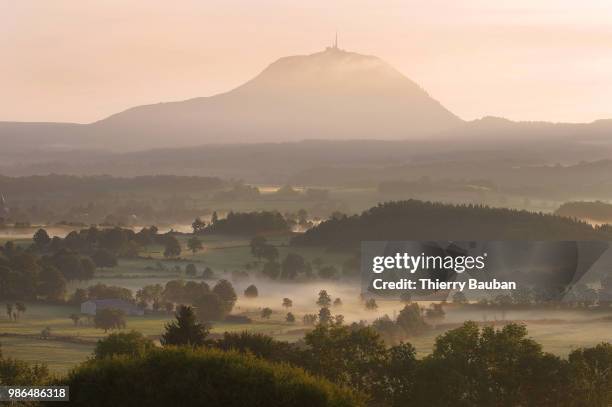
point(81, 60)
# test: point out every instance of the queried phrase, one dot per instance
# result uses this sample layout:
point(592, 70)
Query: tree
point(131, 344)
point(208, 274)
point(79, 296)
point(337, 302)
point(209, 307)
point(324, 299)
point(102, 291)
point(148, 294)
point(324, 316)
point(172, 247)
point(262, 250)
point(191, 270)
point(104, 258)
point(351, 356)
point(46, 332)
point(88, 268)
point(371, 304)
point(198, 226)
point(250, 223)
point(186, 330)
point(309, 319)
point(266, 313)
point(387, 329)
point(20, 307)
point(485, 367)
point(109, 319)
point(260, 345)
point(410, 320)
point(292, 266)
point(51, 284)
point(287, 303)
point(256, 244)
point(591, 373)
point(214, 218)
point(203, 377)
point(194, 244)
point(226, 293)
point(9, 311)
point(75, 318)
point(271, 270)
point(19, 373)
point(269, 253)
point(41, 239)
point(251, 291)
point(290, 318)
point(400, 374)
point(72, 266)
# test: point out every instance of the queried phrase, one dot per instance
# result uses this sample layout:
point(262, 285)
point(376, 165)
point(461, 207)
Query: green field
point(70, 344)
point(559, 333)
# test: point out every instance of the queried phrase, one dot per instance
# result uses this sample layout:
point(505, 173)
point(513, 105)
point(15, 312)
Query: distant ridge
point(333, 94)
point(330, 95)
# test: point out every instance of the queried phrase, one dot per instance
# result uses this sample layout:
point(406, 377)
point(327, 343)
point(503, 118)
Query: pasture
point(559, 332)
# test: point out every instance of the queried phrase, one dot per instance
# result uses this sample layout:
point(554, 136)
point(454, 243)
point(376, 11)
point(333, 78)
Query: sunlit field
point(558, 331)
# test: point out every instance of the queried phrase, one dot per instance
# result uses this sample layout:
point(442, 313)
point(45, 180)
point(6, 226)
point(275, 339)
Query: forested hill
point(54, 184)
point(596, 211)
point(418, 220)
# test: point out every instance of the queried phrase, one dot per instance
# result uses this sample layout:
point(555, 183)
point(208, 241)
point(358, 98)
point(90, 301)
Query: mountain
point(332, 94)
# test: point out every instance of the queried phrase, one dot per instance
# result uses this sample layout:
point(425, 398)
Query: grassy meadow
point(559, 332)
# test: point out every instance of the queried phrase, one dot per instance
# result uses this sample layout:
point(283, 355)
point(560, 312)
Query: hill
point(418, 220)
point(332, 94)
point(591, 211)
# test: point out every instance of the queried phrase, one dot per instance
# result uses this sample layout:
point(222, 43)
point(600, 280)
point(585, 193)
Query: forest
point(419, 220)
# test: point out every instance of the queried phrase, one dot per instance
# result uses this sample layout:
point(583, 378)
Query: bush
point(205, 377)
point(20, 373)
point(251, 291)
point(124, 343)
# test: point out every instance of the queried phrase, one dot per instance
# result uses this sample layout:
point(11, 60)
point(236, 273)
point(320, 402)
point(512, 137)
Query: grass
point(56, 317)
point(71, 344)
point(229, 253)
point(59, 356)
point(559, 337)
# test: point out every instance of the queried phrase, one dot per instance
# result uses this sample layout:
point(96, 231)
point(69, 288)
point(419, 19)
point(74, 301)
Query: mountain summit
point(332, 94)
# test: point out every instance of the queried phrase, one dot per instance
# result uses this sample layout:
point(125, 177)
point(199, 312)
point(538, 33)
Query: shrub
point(124, 343)
point(204, 377)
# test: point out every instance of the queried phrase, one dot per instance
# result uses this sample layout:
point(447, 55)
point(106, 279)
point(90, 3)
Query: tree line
point(419, 220)
point(42, 270)
point(336, 364)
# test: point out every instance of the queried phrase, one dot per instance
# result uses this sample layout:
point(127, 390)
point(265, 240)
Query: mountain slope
point(332, 95)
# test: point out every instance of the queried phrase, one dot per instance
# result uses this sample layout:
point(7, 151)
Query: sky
point(82, 60)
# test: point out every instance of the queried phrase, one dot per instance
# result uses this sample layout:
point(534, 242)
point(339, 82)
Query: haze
point(81, 61)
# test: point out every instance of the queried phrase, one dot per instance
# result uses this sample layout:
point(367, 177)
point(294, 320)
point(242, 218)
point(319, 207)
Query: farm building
point(92, 306)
